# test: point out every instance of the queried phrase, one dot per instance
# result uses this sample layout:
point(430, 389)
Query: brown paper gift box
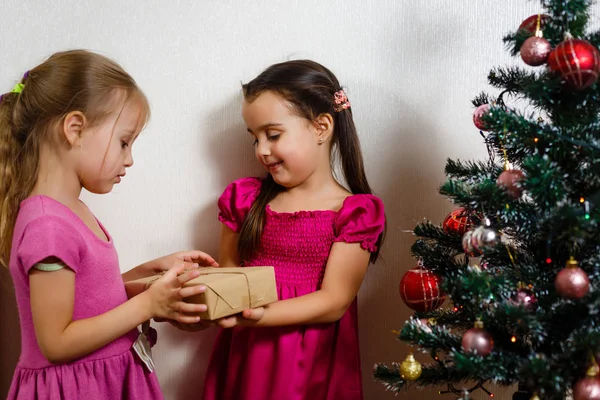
point(232, 290)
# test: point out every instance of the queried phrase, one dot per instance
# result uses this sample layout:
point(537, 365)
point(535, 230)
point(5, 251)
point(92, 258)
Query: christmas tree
point(518, 262)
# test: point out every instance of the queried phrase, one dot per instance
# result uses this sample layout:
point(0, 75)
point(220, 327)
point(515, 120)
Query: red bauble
point(478, 340)
point(572, 282)
point(535, 51)
point(458, 221)
point(511, 180)
point(577, 61)
point(530, 24)
point(420, 290)
point(588, 388)
point(478, 114)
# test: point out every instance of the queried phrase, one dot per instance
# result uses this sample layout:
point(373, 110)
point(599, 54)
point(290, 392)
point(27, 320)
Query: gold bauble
point(410, 369)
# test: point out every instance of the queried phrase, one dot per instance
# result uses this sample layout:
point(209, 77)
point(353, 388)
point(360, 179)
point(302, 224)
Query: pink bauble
point(478, 114)
point(511, 180)
point(535, 51)
point(477, 340)
point(572, 283)
point(587, 388)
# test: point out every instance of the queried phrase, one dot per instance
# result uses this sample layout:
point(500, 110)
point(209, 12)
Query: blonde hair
point(76, 80)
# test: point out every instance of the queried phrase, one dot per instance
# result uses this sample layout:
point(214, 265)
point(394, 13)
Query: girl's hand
point(198, 326)
point(247, 318)
point(191, 259)
point(167, 293)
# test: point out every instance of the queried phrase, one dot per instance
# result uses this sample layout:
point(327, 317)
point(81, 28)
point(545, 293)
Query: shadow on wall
point(405, 172)
point(10, 345)
point(228, 149)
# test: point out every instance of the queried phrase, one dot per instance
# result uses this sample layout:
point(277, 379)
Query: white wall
point(411, 69)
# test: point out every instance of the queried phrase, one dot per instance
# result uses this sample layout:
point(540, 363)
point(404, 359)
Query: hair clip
point(340, 101)
point(18, 88)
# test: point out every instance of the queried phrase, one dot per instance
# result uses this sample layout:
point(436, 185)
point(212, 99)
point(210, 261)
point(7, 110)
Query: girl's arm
point(228, 251)
point(344, 273)
point(61, 339)
point(191, 258)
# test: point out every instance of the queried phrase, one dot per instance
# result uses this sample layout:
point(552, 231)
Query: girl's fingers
point(190, 308)
point(204, 259)
point(187, 276)
point(186, 319)
point(191, 265)
point(227, 322)
point(171, 274)
point(254, 314)
point(191, 290)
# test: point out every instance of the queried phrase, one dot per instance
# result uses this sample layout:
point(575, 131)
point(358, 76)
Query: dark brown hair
point(76, 80)
point(309, 88)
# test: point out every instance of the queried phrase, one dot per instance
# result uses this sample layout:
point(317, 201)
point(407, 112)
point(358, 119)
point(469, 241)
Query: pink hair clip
point(340, 101)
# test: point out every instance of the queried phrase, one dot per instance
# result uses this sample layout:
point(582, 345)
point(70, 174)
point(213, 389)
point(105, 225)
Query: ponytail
point(19, 160)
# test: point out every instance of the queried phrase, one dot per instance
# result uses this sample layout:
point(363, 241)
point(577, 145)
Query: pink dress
point(47, 228)
point(306, 362)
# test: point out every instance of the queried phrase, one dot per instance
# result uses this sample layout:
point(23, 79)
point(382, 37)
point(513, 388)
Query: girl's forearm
point(313, 308)
point(84, 336)
point(139, 272)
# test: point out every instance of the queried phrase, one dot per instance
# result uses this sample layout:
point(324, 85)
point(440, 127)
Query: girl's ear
point(324, 127)
point(72, 128)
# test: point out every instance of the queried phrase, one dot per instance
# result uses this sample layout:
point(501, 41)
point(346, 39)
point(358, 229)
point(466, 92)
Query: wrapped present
point(231, 290)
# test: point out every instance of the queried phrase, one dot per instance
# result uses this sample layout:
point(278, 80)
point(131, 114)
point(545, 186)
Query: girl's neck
point(316, 193)
point(56, 179)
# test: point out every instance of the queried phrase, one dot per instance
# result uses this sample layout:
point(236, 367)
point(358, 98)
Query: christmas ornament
point(484, 239)
point(467, 243)
point(427, 323)
point(525, 298)
point(530, 24)
point(420, 289)
point(478, 115)
point(535, 51)
point(588, 388)
point(458, 221)
point(572, 282)
point(410, 369)
point(478, 340)
point(577, 62)
point(510, 180)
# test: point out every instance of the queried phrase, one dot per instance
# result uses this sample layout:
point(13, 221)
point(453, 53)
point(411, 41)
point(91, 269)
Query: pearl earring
point(321, 141)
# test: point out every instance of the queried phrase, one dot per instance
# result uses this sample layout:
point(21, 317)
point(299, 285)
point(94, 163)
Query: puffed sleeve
point(236, 200)
point(360, 220)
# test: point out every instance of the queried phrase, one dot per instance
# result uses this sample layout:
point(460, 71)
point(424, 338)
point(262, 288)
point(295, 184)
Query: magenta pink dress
point(46, 228)
point(307, 362)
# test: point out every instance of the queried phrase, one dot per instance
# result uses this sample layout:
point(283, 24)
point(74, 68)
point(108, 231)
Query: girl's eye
point(274, 137)
point(255, 142)
point(124, 144)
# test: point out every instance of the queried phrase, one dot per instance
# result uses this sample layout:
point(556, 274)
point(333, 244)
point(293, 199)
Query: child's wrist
point(146, 305)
